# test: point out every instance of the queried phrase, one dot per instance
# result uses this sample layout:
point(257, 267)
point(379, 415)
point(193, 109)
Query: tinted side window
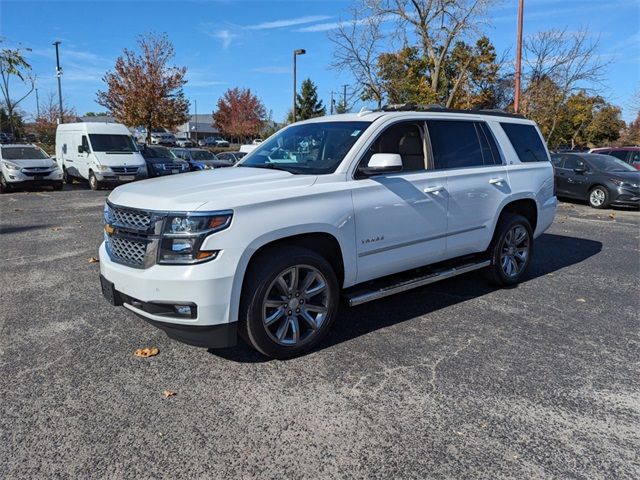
point(85, 143)
point(489, 148)
point(454, 144)
point(571, 162)
point(556, 160)
point(621, 154)
point(635, 158)
point(526, 142)
point(403, 138)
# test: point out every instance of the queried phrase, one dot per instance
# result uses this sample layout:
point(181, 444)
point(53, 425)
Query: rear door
point(477, 181)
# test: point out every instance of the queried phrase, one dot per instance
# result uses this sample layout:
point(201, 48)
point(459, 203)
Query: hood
point(219, 189)
point(36, 162)
point(631, 177)
point(119, 159)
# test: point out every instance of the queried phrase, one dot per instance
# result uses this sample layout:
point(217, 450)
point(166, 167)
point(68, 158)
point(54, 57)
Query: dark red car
point(631, 155)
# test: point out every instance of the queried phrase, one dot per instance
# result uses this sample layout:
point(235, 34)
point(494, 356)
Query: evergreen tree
point(307, 103)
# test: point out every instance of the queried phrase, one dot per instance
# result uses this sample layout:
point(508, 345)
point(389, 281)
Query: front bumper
point(119, 179)
point(15, 177)
point(207, 286)
point(626, 197)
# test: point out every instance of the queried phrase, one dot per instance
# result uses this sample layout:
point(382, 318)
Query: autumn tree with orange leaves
point(240, 114)
point(144, 90)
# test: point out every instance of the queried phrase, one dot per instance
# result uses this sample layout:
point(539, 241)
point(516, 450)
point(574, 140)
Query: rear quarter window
point(526, 142)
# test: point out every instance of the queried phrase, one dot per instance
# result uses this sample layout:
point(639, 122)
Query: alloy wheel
point(597, 197)
point(296, 305)
point(515, 251)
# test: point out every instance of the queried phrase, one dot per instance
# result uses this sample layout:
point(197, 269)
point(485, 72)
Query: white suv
point(27, 165)
point(356, 205)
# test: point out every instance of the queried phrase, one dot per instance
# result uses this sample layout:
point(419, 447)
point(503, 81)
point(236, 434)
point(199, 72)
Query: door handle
point(434, 189)
point(496, 181)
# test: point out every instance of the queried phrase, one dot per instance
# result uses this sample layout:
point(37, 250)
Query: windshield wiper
point(271, 166)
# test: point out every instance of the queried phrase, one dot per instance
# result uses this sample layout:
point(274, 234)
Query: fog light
point(183, 310)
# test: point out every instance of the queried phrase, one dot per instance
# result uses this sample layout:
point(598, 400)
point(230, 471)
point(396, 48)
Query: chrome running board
point(396, 286)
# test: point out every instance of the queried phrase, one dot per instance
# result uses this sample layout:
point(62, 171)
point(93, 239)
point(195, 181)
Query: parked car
point(383, 202)
point(213, 142)
point(256, 141)
point(200, 159)
point(6, 137)
point(247, 148)
point(27, 165)
point(162, 161)
point(184, 143)
point(162, 138)
point(231, 156)
point(602, 180)
point(631, 155)
point(102, 153)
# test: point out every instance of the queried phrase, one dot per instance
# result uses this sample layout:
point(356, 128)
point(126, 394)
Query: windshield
point(202, 155)
point(157, 152)
point(313, 148)
point(607, 163)
point(112, 143)
point(23, 153)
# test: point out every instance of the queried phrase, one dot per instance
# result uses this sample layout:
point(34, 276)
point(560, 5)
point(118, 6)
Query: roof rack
point(413, 107)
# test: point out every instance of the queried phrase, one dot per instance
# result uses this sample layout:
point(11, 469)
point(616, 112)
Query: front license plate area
point(109, 292)
point(126, 178)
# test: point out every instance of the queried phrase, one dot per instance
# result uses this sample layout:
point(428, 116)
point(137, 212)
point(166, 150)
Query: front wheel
point(511, 250)
point(58, 186)
point(4, 186)
point(290, 299)
point(93, 181)
point(598, 197)
point(68, 179)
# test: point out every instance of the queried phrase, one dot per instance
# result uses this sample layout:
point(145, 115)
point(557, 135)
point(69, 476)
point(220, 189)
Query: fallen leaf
point(581, 300)
point(612, 215)
point(18, 210)
point(168, 393)
point(55, 229)
point(93, 260)
point(146, 352)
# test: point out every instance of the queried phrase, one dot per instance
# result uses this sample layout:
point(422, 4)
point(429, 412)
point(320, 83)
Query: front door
point(400, 218)
point(572, 183)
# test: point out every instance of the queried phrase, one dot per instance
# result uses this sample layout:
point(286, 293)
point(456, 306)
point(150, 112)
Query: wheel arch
point(322, 240)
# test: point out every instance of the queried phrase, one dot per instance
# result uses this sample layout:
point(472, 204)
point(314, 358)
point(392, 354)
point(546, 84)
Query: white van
point(102, 153)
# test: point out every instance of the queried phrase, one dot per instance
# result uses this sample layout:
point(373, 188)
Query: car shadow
point(5, 229)
point(552, 253)
point(623, 208)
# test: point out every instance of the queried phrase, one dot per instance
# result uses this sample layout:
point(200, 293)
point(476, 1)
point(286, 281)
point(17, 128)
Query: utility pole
point(516, 102)
point(37, 105)
point(300, 51)
point(59, 74)
point(195, 102)
point(332, 101)
point(344, 97)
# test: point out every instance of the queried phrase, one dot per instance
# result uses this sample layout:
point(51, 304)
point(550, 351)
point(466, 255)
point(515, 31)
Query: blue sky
point(249, 43)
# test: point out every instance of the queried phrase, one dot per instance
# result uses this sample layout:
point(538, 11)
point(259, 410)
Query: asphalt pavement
point(454, 380)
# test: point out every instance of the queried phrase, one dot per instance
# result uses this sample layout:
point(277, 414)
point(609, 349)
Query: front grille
point(173, 166)
point(33, 171)
point(127, 251)
point(135, 219)
point(124, 170)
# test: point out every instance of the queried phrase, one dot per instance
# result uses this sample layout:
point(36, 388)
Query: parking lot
point(456, 379)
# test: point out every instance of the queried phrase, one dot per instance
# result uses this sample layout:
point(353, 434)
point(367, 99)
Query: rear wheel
point(511, 250)
point(599, 197)
point(93, 181)
point(290, 300)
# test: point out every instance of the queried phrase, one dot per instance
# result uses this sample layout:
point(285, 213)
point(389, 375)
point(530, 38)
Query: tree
point(47, 122)
point(357, 48)
point(307, 103)
point(559, 64)
point(630, 135)
point(240, 114)
point(13, 64)
point(96, 114)
point(16, 121)
point(144, 90)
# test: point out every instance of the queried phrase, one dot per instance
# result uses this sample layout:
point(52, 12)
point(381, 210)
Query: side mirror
point(80, 149)
point(383, 163)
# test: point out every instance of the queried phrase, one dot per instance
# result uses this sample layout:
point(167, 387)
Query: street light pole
point(516, 102)
point(37, 105)
point(300, 51)
point(196, 107)
point(59, 74)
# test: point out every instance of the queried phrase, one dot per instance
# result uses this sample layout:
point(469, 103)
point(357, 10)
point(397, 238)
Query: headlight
point(102, 168)
point(184, 234)
point(623, 184)
point(54, 166)
point(11, 166)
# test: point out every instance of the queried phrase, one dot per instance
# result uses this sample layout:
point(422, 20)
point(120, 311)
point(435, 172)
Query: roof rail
point(413, 107)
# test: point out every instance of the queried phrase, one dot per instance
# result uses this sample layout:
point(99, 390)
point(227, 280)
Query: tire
point(511, 250)
point(277, 320)
point(4, 186)
point(598, 197)
point(58, 186)
point(68, 179)
point(94, 184)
